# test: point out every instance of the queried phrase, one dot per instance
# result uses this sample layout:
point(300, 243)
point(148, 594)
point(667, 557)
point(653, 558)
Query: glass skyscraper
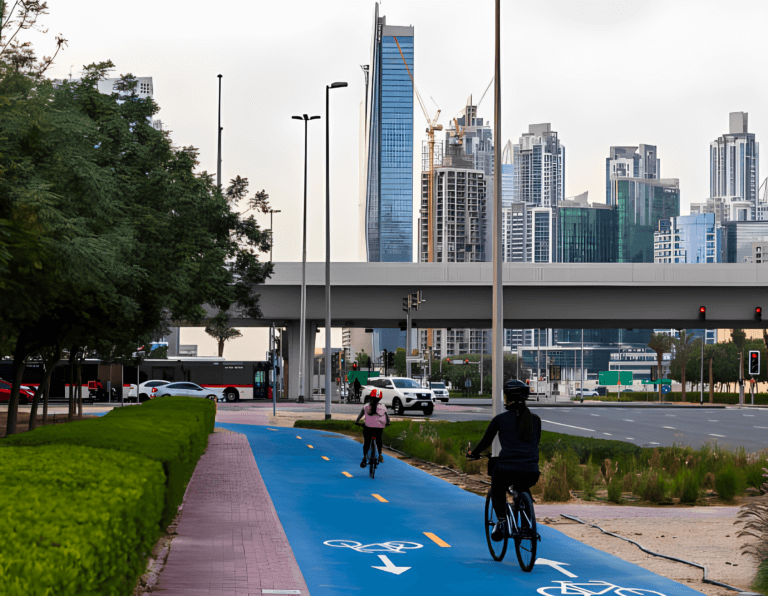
point(388, 171)
point(586, 234)
point(641, 203)
point(688, 239)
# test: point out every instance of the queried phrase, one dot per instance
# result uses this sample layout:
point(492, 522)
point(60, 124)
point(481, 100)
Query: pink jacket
point(379, 419)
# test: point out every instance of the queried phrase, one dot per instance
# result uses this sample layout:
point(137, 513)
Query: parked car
point(145, 390)
point(587, 393)
point(440, 392)
point(401, 393)
point(25, 393)
point(189, 390)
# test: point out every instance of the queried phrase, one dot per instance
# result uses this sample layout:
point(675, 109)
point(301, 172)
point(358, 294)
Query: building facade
point(688, 239)
point(733, 163)
point(630, 162)
point(539, 172)
point(388, 151)
point(586, 233)
point(640, 204)
point(738, 238)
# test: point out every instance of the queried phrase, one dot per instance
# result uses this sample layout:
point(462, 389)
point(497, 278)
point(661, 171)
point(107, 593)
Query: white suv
point(440, 391)
point(401, 393)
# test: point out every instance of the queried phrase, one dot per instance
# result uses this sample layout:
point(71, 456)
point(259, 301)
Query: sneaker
point(363, 463)
point(381, 459)
point(499, 531)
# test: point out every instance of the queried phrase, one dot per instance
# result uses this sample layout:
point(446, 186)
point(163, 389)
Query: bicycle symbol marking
point(394, 546)
point(593, 588)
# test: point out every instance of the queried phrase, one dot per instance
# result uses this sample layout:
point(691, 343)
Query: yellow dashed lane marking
point(298, 437)
point(437, 540)
point(380, 498)
point(325, 458)
point(310, 446)
point(347, 474)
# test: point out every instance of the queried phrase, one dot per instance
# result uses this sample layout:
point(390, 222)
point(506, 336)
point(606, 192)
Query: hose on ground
point(705, 579)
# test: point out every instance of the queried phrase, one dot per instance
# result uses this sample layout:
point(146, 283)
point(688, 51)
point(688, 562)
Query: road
point(406, 532)
point(647, 426)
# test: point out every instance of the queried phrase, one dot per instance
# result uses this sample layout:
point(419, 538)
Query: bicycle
point(521, 527)
point(373, 459)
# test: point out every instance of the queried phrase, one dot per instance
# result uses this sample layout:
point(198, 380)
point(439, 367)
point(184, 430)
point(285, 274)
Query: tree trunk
point(45, 402)
point(79, 390)
point(682, 377)
point(221, 348)
point(48, 365)
point(72, 361)
point(658, 372)
point(19, 360)
point(711, 386)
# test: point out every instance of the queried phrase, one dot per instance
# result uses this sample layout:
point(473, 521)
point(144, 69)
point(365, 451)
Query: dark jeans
point(368, 434)
point(503, 479)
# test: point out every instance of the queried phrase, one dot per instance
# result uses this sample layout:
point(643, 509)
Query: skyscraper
point(733, 163)
point(630, 162)
point(641, 203)
point(388, 152)
point(539, 174)
point(586, 233)
point(688, 239)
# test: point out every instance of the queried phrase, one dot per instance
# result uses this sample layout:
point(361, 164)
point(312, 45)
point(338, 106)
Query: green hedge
point(677, 396)
point(171, 430)
point(75, 520)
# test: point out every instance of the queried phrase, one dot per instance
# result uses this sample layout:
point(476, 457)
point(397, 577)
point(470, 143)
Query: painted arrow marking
point(556, 565)
point(390, 566)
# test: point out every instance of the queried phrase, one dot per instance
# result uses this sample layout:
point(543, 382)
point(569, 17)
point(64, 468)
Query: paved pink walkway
point(230, 541)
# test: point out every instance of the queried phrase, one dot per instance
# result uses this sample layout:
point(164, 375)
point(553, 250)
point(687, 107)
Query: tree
point(683, 350)
point(400, 362)
point(362, 359)
point(219, 329)
point(661, 344)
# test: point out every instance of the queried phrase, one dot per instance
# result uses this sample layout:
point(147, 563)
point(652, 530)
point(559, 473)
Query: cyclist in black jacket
point(518, 462)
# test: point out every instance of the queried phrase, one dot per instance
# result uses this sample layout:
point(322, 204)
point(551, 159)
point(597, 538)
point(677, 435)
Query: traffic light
point(758, 313)
point(334, 361)
point(354, 366)
point(407, 303)
point(754, 362)
point(390, 358)
point(702, 313)
point(466, 361)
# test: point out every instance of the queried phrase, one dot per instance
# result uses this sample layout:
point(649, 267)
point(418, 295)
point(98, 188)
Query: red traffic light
point(702, 313)
point(354, 366)
point(754, 355)
point(758, 313)
point(466, 362)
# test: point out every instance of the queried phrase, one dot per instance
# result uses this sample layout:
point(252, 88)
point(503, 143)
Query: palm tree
point(661, 344)
point(683, 350)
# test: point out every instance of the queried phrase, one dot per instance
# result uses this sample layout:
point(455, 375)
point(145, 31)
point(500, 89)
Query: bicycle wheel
point(373, 459)
point(497, 549)
point(526, 537)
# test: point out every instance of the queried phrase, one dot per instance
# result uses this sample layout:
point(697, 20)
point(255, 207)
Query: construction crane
point(432, 126)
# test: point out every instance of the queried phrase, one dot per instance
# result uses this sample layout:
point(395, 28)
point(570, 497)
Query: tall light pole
point(218, 160)
point(302, 331)
point(271, 241)
point(497, 386)
point(328, 254)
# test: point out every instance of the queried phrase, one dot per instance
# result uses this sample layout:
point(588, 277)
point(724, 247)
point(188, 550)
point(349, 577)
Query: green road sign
point(658, 382)
point(611, 377)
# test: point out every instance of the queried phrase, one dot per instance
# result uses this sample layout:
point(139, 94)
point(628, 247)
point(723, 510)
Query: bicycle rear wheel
point(526, 537)
point(497, 549)
point(373, 459)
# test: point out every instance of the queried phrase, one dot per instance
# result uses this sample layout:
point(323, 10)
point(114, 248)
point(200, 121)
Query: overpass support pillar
point(292, 391)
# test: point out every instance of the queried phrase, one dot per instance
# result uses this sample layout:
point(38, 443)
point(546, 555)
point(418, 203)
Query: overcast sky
point(603, 72)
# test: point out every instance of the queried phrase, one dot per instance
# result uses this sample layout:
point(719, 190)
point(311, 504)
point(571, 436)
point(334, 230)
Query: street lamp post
point(302, 331)
point(328, 255)
point(218, 160)
point(271, 241)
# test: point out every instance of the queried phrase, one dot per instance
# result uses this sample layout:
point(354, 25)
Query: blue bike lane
point(407, 532)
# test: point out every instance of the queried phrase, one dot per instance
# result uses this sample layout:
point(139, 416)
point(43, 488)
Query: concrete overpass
point(583, 295)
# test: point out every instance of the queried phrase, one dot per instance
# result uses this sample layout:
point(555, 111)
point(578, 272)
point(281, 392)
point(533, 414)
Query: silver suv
point(440, 392)
point(401, 393)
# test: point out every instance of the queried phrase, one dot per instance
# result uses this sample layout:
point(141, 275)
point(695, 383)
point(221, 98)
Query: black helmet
point(515, 391)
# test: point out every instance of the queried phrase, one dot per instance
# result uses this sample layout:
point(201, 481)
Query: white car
point(587, 393)
point(401, 393)
point(187, 389)
point(440, 391)
point(145, 390)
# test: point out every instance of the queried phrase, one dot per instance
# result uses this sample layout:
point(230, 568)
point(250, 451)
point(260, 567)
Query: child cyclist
point(517, 465)
point(376, 418)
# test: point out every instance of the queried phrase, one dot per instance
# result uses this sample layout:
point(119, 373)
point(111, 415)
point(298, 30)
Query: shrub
point(170, 430)
point(615, 489)
point(555, 486)
point(753, 475)
point(76, 520)
point(727, 482)
point(652, 486)
point(686, 486)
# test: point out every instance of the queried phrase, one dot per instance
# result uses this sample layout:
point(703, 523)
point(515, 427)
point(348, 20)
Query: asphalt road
point(407, 532)
point(647, 426)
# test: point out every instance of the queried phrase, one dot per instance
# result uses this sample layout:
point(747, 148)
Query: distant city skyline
point(277, 57)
